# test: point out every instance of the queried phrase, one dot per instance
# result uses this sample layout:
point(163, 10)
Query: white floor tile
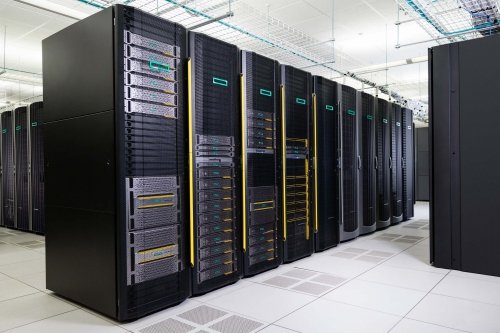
point(262, 302)
point(458, 313)
point(10, 254)
point(474, 276)
point(402, 277)
point(275, 329)
point(414, 326)
point(346, 268)
point(10, 288)
point(28, 309)
point(23, 268)
point(36, 280)
point(77, 321)
point(412, 261)
point(376, 296)
point(326, 316)
point(471, 289)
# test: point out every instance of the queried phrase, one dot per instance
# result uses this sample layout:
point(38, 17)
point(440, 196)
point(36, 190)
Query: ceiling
point(364, 31)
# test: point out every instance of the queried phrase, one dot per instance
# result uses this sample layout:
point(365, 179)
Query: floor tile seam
point(465, 299)
point(286, 328)
point(13, 298)
point(426, 322)
point(363, 307)
point(39, 320)
point(427, 294)
point(471, 278)
point(24, 275)
point(391, 285)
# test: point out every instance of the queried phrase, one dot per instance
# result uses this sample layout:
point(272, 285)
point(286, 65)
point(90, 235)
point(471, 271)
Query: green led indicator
point(4, 131)
point(369, 117)
point(329, 107)
point(219, 81)
point(351, 112)
point(265, 92)
point(385, 121)
point(159, 66)
point(34, 124)
point(300, 101)
point(18, 127)
point(398, 123)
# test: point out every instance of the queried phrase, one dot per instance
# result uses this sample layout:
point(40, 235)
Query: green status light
point(159, 66)
point(351, 112)
point(265, 92)
point(218, 81)
point(329, 107)
point(300, 101)
point(369, 117)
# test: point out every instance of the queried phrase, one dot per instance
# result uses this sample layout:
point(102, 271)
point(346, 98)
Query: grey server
point(383, 138)
point(396, 165)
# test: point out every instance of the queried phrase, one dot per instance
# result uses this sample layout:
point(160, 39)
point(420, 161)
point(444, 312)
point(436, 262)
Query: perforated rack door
point(383, 163)
point(297, 174)
point(21, 162)
point(326, 163)
point(408, 164)
point(214, 163)
point(368, 159)
point(37, 168)
point(8, 171)
point(259, 163)
point(154, 183)
point(349, 160)
point(396, 167)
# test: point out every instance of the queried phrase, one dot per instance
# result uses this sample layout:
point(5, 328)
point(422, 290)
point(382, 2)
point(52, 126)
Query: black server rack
point(114, 163)
point(37, 178)
point(8, 170)
point(296, 94)
point(261, 226)
point(464, 155)
point(350, 162)
point(368, 183)
point(408, 163)
point(21, 131)
point(396, 165)
point(326, 161)
point(214, 162)
point(383, 139)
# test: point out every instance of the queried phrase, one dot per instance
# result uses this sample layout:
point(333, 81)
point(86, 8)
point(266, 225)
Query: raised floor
point(377, 283)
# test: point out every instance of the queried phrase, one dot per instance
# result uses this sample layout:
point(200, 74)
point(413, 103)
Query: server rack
point(350, 162)
point(21, 164)
point(37, 179)
point(296, 93)
point(117, 243)
point(261, 226)
point(464, 155)
point(326, 161)
point(383, 137)
point(408, 164)
point(368, 193)
point(214, 162)
point(396, 166)
point(8, 170)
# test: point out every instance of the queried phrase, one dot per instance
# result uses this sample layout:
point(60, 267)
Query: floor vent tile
point(170, 325)
point(236, 324)
point(202, 314)
point(281, 281)
point(300, 273)
point(328, 279)
point(312, 288)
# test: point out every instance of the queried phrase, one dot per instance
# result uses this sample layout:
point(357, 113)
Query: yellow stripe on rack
point(191, 164)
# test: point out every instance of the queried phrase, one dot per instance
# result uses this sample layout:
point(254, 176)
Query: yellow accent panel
point(191, 163)
point(156, 205)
